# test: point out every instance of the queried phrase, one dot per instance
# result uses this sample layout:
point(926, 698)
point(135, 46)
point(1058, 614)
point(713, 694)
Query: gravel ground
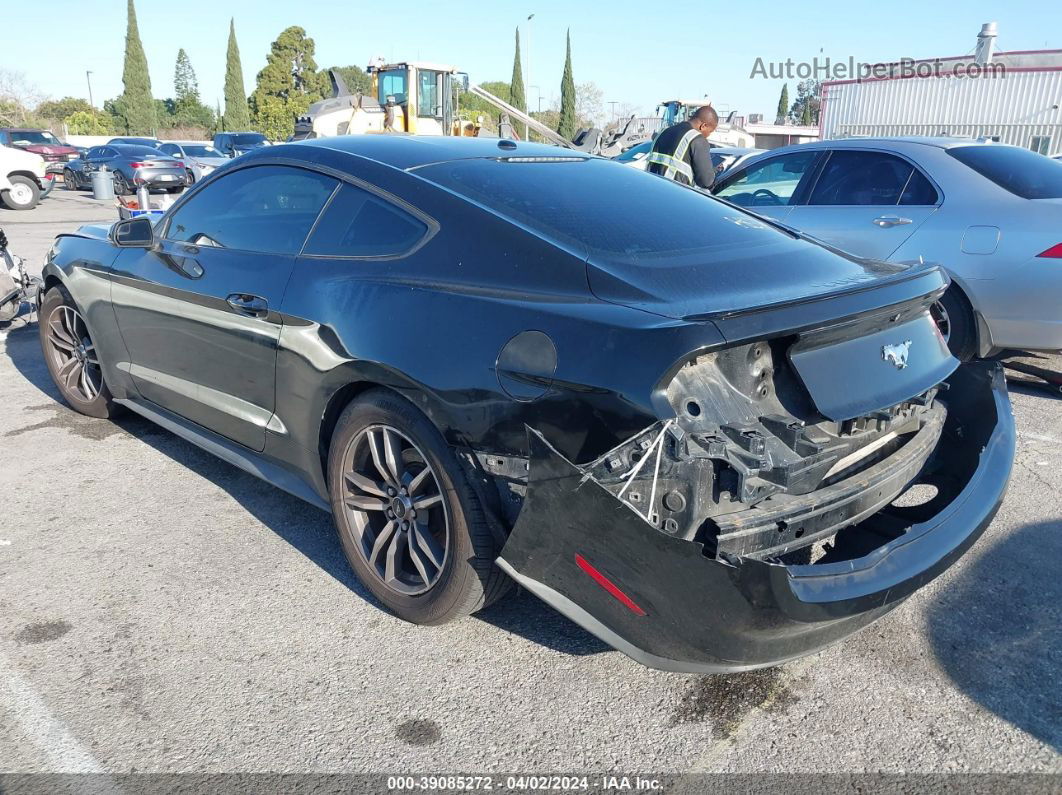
point(162, 611)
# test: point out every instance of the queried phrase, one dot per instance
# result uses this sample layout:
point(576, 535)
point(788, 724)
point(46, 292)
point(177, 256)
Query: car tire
point(70, 181)
point(23, 194)
point(419, 592)
point(71, 357)
point(121, 185)
point(955, 318)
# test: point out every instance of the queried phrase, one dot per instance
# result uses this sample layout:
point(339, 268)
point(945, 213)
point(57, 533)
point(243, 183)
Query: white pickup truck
point(22, 179)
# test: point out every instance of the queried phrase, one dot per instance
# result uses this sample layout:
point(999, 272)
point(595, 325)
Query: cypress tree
point(138, 107)
point(566, 125)
point(237, 116)
point(516, 87)
point(783, 105)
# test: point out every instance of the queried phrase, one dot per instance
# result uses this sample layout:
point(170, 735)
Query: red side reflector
point(608, 585)
point(1055, 252)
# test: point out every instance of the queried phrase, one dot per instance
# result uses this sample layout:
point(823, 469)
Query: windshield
point(249, 139)
point(200, 150)
point(1020, 171)
point(602, 209)
point(31, 137)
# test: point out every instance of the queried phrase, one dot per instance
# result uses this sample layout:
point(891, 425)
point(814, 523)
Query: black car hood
point(731, 277)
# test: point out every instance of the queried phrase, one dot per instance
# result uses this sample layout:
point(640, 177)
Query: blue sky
point(623, 47)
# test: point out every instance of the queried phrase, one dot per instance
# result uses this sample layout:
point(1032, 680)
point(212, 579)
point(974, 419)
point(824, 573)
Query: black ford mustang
point(713, 444)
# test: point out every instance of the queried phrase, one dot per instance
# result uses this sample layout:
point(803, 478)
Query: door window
point(428, 103)
point(771, 183)
point(169, 149)
point(861, 178)
point(359, 224)
point(265, 208)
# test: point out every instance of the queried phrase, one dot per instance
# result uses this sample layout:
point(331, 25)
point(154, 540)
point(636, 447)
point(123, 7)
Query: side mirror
point(133, 233)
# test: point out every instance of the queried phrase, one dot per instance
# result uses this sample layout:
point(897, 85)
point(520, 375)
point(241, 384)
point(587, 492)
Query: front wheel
point(71, 355)
point(410, 525)
point(22, 195)
point(70, 181)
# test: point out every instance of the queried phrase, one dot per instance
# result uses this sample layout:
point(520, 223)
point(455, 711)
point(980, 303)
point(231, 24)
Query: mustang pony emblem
point(896, 354)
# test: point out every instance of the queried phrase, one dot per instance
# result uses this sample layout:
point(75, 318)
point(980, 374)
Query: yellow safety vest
point(676, 163)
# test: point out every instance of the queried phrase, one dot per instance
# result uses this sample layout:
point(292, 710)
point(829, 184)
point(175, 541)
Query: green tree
point(357, 79)
point(188, 109)
point(88, 122)
point(516, 91)
point(566, 123)
point(60, 109)
point(237, 116)
point(287, 85)
point(138, 108)
point(805, 109)
point(783, 105)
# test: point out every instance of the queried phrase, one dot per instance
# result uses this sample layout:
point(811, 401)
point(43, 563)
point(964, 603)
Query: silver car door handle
point(247, 304)
point(886, 221)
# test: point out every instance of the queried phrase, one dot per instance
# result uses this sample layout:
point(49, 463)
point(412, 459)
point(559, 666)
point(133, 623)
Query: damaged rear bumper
point(670, 604)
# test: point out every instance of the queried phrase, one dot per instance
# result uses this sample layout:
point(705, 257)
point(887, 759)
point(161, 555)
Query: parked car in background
point(40, 142)
point(234, 144)
point(132, 167)
point(989, 213)
point(154, 143)
point(23, 179)
point(678, 424)
point(723, 157)
point(199, 158)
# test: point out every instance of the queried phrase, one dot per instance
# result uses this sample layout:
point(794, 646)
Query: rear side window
point(265, 208)
point(359, 224)
point(919, 191)
point(1023, 173)
point(861, 178)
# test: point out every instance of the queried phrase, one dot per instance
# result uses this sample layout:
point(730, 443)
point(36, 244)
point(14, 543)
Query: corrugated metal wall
point(1015, 107)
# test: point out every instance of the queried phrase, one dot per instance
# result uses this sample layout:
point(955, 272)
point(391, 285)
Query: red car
point(40, 142)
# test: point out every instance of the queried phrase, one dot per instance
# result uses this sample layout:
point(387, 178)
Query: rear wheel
point(22, 195)
point(411, 526)
point(955, 319)
point(121, 184)
point(71, 356)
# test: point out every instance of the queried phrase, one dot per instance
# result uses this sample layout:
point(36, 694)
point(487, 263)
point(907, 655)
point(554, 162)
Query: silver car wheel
point(399, 520)
point(942, 319)
point(77, 368)
point(21, 194)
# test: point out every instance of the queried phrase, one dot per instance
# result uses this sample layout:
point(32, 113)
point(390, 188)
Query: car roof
point(938, 141)
point(409, 151)
point(132, 149)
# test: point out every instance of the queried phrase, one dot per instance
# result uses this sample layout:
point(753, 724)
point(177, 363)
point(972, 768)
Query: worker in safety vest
point(681, 151)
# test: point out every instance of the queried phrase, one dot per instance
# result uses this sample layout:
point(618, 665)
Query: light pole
point(88, 79)
point(538, 93)
point(613, 104)
point(527, 80)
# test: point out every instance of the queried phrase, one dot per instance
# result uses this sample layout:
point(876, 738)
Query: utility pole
point(527, 70)
point(88, 78)
point(538, 93)
point(613, 104)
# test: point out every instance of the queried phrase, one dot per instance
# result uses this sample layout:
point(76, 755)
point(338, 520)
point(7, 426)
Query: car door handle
point(247, 304)
point(887, 221)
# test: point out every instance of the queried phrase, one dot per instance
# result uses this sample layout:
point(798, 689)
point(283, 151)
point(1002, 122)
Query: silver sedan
point(990, 213)
point(200, 158)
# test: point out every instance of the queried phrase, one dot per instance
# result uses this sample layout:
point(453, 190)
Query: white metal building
point(1016, 100)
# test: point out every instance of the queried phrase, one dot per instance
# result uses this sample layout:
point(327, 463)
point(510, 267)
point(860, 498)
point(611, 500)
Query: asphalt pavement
point(162, 611)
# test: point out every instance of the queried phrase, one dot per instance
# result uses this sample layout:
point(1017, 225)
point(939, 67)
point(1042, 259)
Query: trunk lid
point(733, 276)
